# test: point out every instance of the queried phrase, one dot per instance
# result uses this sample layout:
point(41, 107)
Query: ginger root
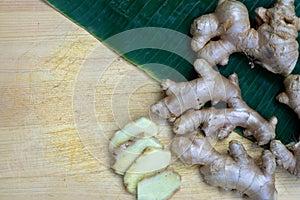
point(211, 86)
point(221, 122)
point(234, 171)
point(289, 160)
point(277, 48)
point(230, 25)
point(273, 45)
point(291, 96)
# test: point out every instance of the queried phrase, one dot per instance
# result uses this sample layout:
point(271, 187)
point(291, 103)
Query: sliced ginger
point(127, 153)
point(160, 186)
point(142, 126)
point(149, 163)
point(138, 155)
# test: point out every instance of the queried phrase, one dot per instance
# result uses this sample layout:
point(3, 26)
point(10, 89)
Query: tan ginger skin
point(182, 96)
point(273, 45)
point(234, 171)
point(289, 160)
point(291, 96)
point(221, 122)
point(184, 100)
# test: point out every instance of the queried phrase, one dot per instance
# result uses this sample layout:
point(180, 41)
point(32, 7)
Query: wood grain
point(63, 95)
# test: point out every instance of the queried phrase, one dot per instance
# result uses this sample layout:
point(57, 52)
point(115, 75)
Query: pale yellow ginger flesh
point(141, 159)
point(127, 153)
point(184, 100)
point(160, 186)
point(149, 163)
point(291, 96)
point(142, 127)
point(236, 171)
point(288, 159)
point(273, 45)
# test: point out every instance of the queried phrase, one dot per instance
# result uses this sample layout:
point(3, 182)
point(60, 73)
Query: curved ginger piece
point(273, 45)
point(289, 160)
point(235, 171)
point(230, 25)
point(214, 87)
point(291, 96)
point(221, 122)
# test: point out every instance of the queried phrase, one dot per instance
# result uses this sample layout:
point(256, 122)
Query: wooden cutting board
point(63, 95)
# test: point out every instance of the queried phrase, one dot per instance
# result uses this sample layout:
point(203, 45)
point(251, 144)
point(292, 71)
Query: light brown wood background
point(63, 94)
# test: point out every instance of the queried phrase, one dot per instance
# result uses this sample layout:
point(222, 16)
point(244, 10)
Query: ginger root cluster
point(194, 107)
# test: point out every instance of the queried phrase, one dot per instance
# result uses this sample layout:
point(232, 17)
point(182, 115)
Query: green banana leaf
point(168, 45)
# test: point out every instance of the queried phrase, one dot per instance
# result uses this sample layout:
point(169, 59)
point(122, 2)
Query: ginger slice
point(141, 126)
point(150, 162)
point(160, 186)
point(127, 153)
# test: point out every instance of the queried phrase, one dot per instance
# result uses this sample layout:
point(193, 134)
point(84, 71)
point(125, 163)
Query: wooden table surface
point(63, 94)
